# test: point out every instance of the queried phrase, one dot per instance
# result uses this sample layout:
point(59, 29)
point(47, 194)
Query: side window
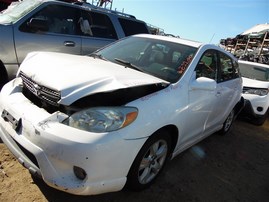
point(55, 19)
point(207, 66)
point(131, 27)
point(96, 25)
point(236, 69)
point(227, 70)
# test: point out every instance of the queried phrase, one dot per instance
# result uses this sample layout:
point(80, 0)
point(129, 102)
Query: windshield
point(17, 10)
point(254, 72)
point(163, 59)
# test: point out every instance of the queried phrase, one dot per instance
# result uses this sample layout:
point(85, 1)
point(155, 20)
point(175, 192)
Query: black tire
point(3, 76)
point(228, 123)
point(153, 155)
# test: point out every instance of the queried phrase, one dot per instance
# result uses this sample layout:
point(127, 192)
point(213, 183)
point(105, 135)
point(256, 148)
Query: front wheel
point(149, 162)
point(228, 123)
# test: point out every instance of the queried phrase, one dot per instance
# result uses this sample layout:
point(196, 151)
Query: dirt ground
point(221, 168)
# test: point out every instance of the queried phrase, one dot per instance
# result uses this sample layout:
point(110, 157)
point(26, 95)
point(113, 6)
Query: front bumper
point(51, 150)
point(256, 106)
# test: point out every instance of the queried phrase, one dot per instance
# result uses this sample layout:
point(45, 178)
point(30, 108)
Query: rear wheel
point(228, 123)
point(150, 161)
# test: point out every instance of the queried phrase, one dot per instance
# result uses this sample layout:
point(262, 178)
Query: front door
point(61, 33)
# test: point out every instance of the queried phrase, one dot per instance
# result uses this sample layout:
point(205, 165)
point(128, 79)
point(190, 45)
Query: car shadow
point(54, 195)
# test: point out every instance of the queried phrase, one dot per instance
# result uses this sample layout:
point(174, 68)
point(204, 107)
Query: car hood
point(255, 83)
point(78, 76)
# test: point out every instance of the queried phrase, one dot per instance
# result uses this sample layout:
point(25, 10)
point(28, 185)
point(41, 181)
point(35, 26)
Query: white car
point(255, 90)
point(94, 124)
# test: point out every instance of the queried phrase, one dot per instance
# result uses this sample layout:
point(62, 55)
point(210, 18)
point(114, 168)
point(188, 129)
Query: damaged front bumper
point(54, 151)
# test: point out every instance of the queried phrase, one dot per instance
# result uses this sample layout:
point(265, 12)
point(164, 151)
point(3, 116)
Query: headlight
point(102, 119)
point(256, 91)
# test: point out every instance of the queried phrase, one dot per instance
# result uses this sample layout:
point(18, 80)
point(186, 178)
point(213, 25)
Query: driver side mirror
point(203, 83)
point(36, 24)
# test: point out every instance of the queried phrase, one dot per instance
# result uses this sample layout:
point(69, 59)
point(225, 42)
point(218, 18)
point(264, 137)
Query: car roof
point(88, 6)
point(172, 39)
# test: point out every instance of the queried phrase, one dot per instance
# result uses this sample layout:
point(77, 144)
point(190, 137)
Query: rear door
point(61, 33)
point(228, 88)
point(97, 30)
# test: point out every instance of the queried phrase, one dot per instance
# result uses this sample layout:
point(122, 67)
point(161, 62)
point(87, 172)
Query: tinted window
point(58, 19)
point(131, 27)
point(97, 25)
point(227, 70)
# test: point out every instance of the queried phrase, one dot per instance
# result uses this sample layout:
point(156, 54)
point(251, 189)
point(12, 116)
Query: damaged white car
point(94, 124)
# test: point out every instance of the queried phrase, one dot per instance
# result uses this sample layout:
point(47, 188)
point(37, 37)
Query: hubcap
point(229, 121)
point(152, 162)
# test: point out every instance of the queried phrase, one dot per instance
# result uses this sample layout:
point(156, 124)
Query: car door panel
point(28, 42)
point(91, 44)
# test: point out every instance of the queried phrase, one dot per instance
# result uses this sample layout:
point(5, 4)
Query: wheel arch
point(173, 133)
point(239, 106)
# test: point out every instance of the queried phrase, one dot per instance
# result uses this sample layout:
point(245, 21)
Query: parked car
point(76, 28)
point(94, 124)
point(255, 90)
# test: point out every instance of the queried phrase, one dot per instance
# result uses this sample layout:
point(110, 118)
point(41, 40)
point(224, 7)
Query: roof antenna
point(212, 38)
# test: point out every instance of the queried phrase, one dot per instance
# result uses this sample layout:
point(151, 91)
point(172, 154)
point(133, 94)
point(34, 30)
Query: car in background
point(75, 28)
point(94, 124)
point(255, 91)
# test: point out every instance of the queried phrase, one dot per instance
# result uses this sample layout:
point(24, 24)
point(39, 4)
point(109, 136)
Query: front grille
point(48, 95)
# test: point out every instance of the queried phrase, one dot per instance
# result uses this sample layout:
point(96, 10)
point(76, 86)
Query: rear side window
point(131, 27)
point(97, 25)
point(227, 69)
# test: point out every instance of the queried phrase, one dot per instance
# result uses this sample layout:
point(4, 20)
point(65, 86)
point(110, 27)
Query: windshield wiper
point(128, 64)
point(99, 56)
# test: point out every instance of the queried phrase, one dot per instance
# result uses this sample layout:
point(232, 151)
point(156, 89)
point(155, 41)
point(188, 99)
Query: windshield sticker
point(185, 64)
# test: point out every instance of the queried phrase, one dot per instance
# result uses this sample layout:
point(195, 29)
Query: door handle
point(218, 94)
point(69, 43)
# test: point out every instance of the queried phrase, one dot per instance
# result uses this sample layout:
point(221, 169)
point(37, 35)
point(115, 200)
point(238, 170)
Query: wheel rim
point(152, 162)
point(229, 121)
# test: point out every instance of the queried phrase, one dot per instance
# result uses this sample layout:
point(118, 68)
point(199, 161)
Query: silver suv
point(76, 28)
